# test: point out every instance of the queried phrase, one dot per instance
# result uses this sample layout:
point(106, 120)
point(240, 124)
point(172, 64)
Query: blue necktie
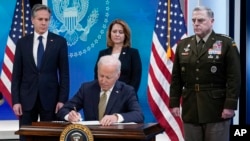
point(40, 52)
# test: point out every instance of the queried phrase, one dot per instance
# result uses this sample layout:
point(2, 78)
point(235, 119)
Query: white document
point(96, 122)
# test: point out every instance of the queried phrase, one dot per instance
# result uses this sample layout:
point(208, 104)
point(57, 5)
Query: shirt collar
point(204, 38)
point(108, 91)
point(36, 35)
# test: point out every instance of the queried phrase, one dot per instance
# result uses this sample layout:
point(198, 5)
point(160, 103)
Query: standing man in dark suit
point(207, 75)
point(40, 91)
point(121, 102)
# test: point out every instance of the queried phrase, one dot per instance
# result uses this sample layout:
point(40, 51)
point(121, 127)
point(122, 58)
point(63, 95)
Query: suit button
point(198, 61)
point(197, 70)
point(197, 78)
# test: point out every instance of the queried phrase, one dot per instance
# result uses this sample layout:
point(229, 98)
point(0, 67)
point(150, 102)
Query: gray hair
point(210, 13)
point(38, 7)
point(109, 60)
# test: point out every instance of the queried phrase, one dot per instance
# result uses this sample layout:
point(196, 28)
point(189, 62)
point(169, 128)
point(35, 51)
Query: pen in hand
point(80, 118)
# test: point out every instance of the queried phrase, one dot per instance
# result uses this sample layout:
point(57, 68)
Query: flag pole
point(23, 20)
point(168, 29)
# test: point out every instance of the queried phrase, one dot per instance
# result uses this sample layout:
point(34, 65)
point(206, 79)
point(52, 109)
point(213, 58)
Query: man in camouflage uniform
point(207, 76)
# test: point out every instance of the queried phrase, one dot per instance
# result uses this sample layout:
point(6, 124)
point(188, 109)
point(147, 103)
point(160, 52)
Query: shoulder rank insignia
point(234, 44)
point(224, 35)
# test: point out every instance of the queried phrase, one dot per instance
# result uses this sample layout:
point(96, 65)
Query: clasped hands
point(107, 120)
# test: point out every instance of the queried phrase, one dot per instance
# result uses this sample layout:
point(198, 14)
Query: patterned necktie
point(40, 51)
point(200, 45)
point(102, 105)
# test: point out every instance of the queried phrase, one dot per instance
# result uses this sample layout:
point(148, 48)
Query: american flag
point(21, 25)
point(169, 29)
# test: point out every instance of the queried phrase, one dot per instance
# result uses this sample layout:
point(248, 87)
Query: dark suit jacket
point(218, 75)
point(51, 83)
point(122, 100)
point(131, 66)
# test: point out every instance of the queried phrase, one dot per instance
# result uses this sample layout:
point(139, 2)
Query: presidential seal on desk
point(76, 132)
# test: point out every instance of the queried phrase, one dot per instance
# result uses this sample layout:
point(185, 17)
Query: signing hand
point(74, 116)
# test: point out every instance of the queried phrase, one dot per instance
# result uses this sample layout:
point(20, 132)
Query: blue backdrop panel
point(84, 25)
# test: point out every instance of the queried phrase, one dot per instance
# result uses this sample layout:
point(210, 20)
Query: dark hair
point(126, 29)
point(38, 7)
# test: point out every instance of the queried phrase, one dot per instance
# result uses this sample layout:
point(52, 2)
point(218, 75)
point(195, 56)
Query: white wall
point(220, 8)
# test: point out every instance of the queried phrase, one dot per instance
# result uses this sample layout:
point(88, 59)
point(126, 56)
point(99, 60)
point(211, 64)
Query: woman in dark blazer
point(119, 45)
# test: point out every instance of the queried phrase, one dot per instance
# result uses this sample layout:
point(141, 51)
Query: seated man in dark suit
point(120, 102)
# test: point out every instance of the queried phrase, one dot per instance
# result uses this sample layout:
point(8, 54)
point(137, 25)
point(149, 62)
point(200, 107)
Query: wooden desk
point(51, 131)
